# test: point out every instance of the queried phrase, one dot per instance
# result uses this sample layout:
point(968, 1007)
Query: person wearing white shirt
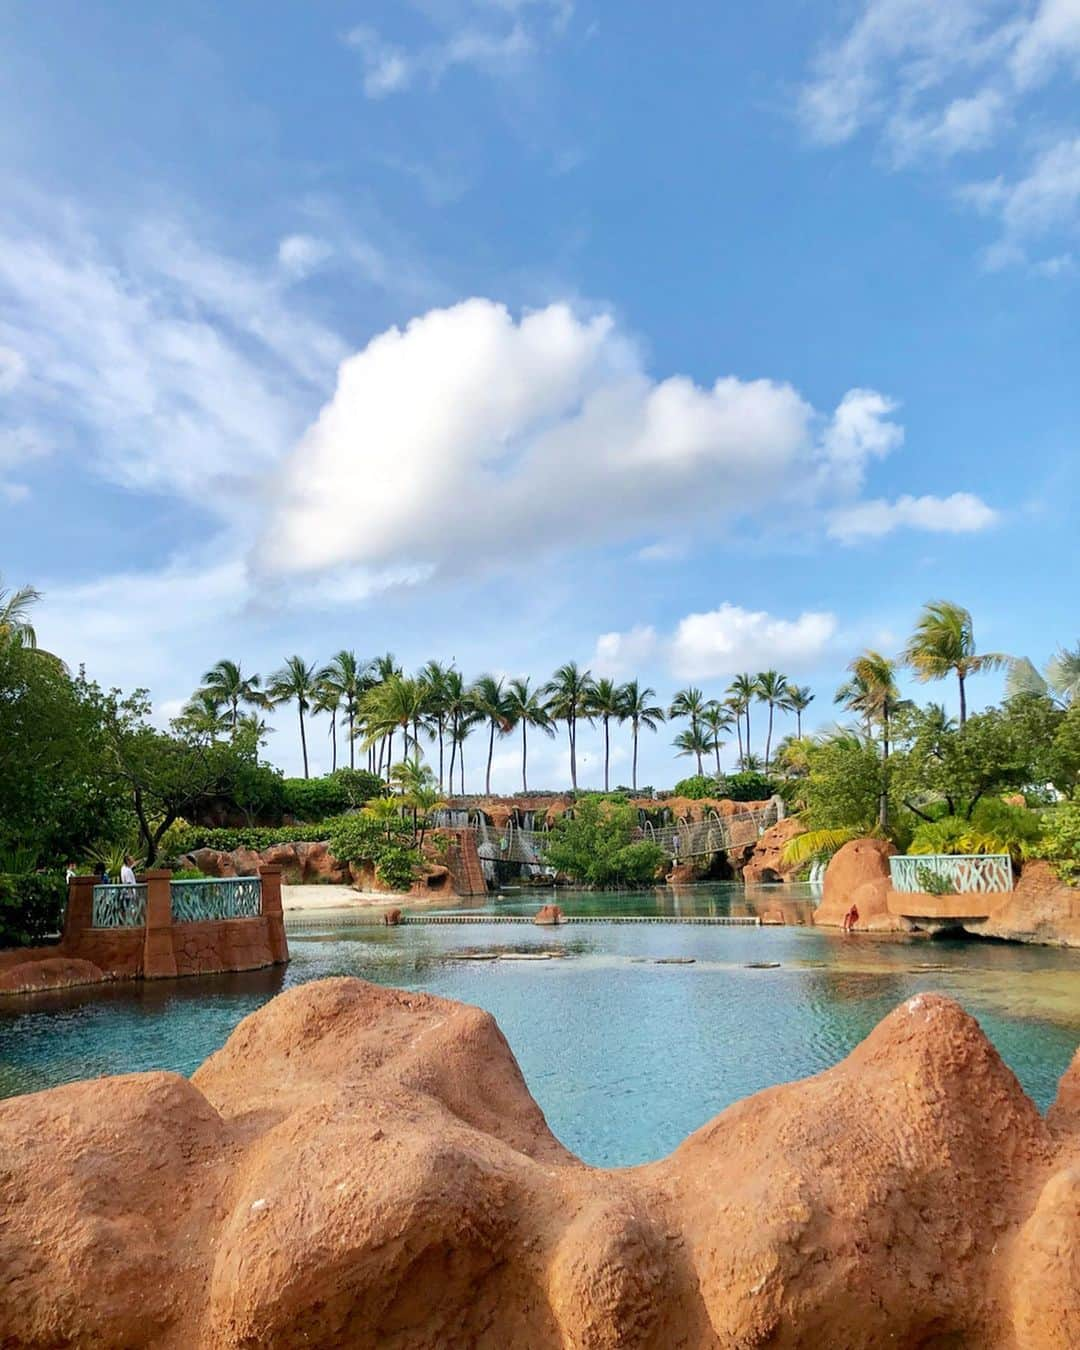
point(127, 872)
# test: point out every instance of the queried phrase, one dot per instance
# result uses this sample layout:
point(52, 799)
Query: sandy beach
point(318, 898)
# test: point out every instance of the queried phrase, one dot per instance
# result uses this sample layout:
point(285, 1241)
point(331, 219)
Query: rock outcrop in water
point(364, 1167)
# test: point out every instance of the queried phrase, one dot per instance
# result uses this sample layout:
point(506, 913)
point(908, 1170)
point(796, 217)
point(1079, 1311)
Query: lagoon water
point(625, 1052)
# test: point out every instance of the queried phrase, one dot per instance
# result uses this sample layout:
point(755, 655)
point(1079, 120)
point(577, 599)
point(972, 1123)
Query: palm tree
point(489, 699)
point(567, 693)
point(606, 701)
point(772, 688)
point(458, 712)
point(201, 715)
point(693, 741)
point(351, 678)
point(639, 712)
point(690, 703)
point(798, 700)
point(416, 784)
point(295, 682)
point(742, 691)
point(525, 708)
point(1060, 681)
point(14, 608)
point(873, 692)
point(943, 644)
point(435, 677)
point(461, 731)
point(328, 700)
point(226, 683)
point(716, 719)
point(259, 730)
point(397, 703)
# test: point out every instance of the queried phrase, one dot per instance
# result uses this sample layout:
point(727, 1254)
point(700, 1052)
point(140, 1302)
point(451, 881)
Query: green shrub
point(933, 883)
point(320, 798)
point(188, 838)
point(597, 845)
point(190, 874)
point(747, 787)
point(695, 787)
point(383, 842)
point(994, 827)
point(1060, 841)
point(31, 907)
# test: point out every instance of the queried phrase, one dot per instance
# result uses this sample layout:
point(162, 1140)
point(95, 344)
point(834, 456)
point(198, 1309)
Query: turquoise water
point(624, 1055)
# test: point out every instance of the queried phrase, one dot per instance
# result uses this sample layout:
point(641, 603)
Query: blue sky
point(670, 340)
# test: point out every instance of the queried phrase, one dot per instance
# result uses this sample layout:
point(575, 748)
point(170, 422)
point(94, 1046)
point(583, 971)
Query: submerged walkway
point(348, 920)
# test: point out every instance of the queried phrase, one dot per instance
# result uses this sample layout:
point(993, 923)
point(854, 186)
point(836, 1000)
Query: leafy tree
point(993, 827)
point(435, 677)
point(378, 835)
point(461, 718)
point(959, 766)
point(943, 644)
point(295, 683)
point(748, 786)
point(597, 845)
point(697, 787)
point(640, 712)
point(415, 784)
point(843, 790)
point(568, 693)
point(202, 715)
point(1061, 841)
point(397, 703)
point(55, 798)
point(525, 708)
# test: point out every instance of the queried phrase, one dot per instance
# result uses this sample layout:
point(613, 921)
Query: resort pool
point(625, 1051)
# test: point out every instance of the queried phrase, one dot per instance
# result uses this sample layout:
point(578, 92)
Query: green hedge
point(320, 798)
point(188, 838)
point(31, 907)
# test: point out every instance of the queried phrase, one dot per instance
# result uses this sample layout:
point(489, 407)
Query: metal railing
point(968, 873)
point(219, 898)
point(119, 907)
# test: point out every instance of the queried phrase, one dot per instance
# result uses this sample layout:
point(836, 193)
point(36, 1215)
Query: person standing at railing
point(127, 872)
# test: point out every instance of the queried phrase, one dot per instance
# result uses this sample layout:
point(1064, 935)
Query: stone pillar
point(159, 959)
point(270, 874)
point(80, 910)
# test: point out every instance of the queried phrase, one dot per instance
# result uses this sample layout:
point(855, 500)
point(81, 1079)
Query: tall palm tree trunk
point(571, 729)
point(798, 724)
point(963, 698)
point(607, 751)
point(716, 748)
point(453, 750)
point(738, 732)
point(747, 731)
point(768, 738)
point(883, 799)
point(303, 743)
point(491, 751)
point(442, 747)
point(633, 779)
point(524, 755)
point(352, 736)
point(333, 742)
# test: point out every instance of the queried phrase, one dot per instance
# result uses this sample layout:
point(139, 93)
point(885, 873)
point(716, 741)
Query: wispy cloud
point(935, 82)
point(960, 513)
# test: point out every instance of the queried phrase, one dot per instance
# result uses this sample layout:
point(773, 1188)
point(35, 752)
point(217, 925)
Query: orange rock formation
point(364, 1167)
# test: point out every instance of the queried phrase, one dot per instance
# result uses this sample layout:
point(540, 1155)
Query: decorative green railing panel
point(119, 907)
point(969, 873)
point(222, 898)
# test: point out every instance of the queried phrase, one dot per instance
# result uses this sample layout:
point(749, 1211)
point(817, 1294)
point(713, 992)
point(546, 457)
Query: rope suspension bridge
point(681, 840)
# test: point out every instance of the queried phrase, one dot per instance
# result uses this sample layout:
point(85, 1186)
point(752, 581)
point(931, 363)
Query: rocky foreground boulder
point(359, 1166)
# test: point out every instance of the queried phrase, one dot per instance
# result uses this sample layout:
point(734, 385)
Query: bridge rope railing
point(681, 839)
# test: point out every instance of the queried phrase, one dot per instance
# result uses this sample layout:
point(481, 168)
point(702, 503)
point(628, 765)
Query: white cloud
point(18, 446)
point(301, 254)
point(960, 513)
point(860, 431)
point(666, 551)
point(391, 69)
point(12, 369)
point(729, 639)
point(623, 653)
point(949, 79)
point(719, 642)
point(1051, 37)
point(469, 440)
